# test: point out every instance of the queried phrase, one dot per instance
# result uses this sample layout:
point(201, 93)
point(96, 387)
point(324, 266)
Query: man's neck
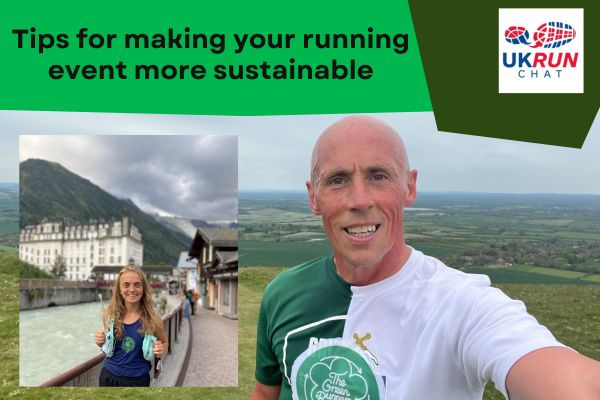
point(391, 263)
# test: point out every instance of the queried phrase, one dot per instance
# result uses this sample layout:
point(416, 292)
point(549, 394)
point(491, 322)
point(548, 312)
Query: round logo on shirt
point(128, 344)
point(335, 369)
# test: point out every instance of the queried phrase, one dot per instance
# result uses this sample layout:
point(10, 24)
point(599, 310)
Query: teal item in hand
point(148, 346)
point(109, 343)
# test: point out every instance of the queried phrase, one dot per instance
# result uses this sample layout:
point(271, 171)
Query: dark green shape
point(128, 344)
point(336, 370)
point(458, 41)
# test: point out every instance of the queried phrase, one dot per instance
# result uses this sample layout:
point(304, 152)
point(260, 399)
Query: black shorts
point(108, 379)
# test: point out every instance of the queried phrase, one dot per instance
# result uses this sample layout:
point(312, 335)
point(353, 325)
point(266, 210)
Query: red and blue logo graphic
point(549, 35)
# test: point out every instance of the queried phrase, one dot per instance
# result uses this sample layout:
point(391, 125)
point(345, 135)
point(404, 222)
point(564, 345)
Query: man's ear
point(411, 193)
point(312, 199)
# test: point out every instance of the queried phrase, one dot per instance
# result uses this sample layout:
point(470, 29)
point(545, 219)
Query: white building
point(81, 246)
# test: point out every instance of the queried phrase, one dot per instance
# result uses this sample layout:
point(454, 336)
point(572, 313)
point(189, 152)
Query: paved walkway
point(214, 358)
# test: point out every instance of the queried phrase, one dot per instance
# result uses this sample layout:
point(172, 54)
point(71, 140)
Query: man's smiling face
point(360, 186)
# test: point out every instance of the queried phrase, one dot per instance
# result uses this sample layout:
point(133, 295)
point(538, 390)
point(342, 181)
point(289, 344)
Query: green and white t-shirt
point(427, 332)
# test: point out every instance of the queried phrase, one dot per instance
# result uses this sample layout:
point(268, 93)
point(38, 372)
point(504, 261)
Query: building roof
point(183, 261)
point(216, 237)
point(219, 237)
point(227, 257)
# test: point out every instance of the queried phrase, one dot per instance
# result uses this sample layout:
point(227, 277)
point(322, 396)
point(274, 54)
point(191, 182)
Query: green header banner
point(274, 58)
point(213, 58)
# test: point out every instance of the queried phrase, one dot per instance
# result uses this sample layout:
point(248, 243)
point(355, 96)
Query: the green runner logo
point(128, 344)
point(334, 370)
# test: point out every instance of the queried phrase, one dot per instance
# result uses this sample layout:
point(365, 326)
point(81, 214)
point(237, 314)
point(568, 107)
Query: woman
point(133, 332)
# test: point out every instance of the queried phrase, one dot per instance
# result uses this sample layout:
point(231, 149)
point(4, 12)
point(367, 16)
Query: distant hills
point(48, 190)
point(9, 186)
point(188, 227)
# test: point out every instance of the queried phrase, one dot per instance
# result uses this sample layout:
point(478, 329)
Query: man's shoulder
point(297, 275)
point(314, 281)
point(437, 273)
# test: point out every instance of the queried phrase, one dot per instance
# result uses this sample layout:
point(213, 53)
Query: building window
point(225, 291)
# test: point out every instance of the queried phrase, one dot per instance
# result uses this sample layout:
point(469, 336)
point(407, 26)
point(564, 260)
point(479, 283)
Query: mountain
point(48, 190)
point(200, 223)
point(188, 227)
point(180, 225)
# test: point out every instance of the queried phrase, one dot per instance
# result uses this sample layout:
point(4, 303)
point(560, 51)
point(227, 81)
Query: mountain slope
point(48, 190)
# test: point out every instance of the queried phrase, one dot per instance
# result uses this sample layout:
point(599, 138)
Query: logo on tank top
point(336, 369)
point(128, 344)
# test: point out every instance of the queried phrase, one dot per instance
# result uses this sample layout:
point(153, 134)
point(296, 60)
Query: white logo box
point(561, 79)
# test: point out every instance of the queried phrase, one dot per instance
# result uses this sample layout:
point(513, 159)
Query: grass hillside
point(569, 311)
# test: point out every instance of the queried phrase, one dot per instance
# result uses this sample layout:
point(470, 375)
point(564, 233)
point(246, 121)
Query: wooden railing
point(87, 374)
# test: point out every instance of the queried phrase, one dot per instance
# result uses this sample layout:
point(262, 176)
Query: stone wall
point(40, 294)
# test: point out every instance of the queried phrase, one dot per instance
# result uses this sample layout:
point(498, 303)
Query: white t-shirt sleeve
point(495, 332)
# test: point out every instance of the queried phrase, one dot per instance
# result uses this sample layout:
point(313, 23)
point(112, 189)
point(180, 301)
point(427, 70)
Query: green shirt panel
point(304, 302)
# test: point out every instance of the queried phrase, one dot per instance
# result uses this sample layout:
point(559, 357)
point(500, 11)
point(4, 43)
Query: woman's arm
point(162, 345)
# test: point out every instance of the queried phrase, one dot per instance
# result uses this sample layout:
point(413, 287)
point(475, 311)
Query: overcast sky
point(275, 151)
point(189, 176)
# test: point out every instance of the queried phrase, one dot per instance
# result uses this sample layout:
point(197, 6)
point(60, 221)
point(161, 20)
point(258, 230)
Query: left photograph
point(129, 260)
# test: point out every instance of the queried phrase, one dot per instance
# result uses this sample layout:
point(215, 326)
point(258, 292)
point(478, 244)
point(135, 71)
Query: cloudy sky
point(274, 152)
point(189, 176)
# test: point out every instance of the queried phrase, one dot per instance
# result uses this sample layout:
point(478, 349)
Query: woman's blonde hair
point(116, 308)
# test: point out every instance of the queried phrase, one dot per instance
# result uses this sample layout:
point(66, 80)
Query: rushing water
point(53, 340)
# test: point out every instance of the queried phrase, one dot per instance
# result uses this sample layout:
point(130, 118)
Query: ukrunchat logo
point(549, 35)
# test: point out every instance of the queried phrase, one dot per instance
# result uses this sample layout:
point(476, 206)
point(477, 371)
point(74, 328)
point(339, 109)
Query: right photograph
point(411, 264)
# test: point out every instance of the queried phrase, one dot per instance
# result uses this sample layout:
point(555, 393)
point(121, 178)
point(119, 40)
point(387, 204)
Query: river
point(52, 340)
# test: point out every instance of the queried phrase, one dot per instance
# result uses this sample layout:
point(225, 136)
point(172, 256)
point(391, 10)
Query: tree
point(59, 267)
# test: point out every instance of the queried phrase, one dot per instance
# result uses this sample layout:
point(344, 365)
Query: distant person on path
point(190, 298)
point(186, 305)
point(379, 319)
point(133, 332)
point(195, 295)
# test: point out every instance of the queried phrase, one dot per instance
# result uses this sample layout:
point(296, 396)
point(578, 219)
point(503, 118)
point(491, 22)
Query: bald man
point(378, 319)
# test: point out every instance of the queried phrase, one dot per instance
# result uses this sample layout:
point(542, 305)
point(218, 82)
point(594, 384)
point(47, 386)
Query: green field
point(8, 249)
point(7, 227)
point(531, 274)
point(280, 254)
point(579, 235)
point(464, 230)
